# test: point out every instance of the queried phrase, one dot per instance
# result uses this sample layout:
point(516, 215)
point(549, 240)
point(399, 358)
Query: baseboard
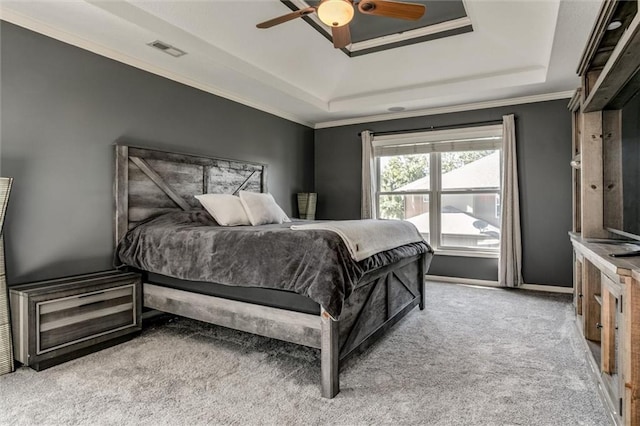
point(489, 283)
point(549, 288)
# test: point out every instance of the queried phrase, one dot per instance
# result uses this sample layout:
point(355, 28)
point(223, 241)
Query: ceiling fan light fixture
point(614, 25)
point(335, 13)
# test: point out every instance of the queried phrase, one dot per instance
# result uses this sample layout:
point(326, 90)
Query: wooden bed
point(148, 182)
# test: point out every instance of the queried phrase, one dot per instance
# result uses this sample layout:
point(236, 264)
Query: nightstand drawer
point(69, 320)
point(57, 320)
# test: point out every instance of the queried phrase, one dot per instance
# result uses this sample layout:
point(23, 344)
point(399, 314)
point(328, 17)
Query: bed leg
point(329, 356)
point(421, 281)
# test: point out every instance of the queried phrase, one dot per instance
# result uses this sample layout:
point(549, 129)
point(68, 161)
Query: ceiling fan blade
point(284, 18)
point(392, 9)
point(341, 36)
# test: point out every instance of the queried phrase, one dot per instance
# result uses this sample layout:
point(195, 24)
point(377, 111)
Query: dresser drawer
point(59, 319)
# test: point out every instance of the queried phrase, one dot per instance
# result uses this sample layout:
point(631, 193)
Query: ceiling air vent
point(167, 48)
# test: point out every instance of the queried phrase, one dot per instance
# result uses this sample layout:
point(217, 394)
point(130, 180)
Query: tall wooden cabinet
point(607, 289)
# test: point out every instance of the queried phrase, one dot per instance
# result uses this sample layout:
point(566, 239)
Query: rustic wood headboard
point(148, 182)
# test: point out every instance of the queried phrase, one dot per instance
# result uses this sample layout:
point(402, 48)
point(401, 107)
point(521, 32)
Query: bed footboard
point(382, 298)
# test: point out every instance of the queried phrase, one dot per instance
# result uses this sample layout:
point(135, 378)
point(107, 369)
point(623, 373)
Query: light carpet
point(475, 356)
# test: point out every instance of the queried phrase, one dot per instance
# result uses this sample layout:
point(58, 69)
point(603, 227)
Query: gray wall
point(543, 132)
point(62, 110)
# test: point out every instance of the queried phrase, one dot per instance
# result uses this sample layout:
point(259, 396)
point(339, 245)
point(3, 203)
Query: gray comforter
point(314, 263)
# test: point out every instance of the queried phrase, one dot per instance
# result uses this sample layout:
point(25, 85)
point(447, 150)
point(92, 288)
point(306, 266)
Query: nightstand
point(57, 320)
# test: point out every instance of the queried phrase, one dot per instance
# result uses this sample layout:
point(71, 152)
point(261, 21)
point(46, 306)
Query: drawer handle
point(598, 325)
point(88, 295)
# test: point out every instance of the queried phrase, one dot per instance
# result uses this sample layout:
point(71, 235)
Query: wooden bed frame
point(148, 182)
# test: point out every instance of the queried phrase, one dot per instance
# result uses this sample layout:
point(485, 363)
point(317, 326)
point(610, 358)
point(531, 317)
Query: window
point(445, 182)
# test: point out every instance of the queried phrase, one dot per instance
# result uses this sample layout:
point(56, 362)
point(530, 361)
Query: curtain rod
point(452, 126)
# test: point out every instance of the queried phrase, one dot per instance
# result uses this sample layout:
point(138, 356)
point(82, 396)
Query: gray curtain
point(368, 209)
point(510, 265)
point(6, 347)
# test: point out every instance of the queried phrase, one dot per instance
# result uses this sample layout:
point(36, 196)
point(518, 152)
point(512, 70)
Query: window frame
point(435, 191)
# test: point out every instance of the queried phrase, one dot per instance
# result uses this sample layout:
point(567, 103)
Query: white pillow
point(226, 209)
point(262, 208)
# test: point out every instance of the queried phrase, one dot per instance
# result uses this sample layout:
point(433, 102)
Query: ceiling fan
point(338, 13)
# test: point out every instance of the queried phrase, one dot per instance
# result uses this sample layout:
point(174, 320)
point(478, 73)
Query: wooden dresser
point(57, 320)
point(607, 302)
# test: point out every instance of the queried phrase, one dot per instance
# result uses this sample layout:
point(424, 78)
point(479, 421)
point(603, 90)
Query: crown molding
point(448, 109)
point(411, 34)
point(66, 37)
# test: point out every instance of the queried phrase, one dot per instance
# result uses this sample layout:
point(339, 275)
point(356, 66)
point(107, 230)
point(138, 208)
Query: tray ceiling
point(370, 34)
point(517, 49)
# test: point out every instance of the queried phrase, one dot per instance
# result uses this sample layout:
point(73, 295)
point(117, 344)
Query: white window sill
point(469, 253)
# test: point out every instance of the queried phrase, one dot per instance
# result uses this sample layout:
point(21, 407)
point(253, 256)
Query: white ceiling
point(518, 49)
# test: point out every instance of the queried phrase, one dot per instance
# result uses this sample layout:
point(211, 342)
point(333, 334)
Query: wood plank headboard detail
point(148, 182)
